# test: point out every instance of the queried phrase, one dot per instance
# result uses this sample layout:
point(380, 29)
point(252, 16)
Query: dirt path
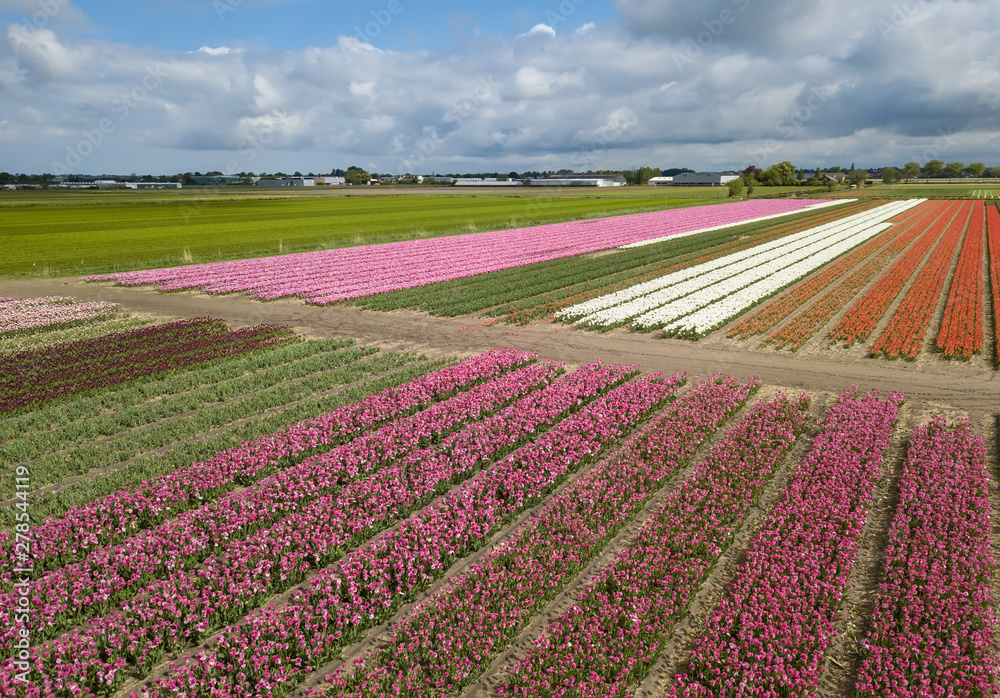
point(963, 385)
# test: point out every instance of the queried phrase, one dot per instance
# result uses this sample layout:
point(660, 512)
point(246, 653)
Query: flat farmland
point(447, 490)
point(57, 234)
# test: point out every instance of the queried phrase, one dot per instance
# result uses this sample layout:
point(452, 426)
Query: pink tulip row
point(934, 629)
point(19, 315)
point(605, 643)
point(123, 514)
point(449, 640)
point(188, 604)
point(276, 647)
point(771, 632)
point(64, 597)
point(331, 275)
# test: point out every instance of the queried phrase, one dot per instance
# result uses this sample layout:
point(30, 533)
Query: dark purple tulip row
point(772, 630)
point(605, 644)
point(33, 377)
point(276, 647)
point(63, 598)
point(123, 514)
point(454, 636)
point(934, 629)
point(240, 575)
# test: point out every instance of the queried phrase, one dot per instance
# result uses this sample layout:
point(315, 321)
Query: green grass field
point(47, 233)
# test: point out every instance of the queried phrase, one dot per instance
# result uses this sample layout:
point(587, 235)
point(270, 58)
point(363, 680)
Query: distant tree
point(819, 174)
point(337, 172)
point(752, 172)
point(838, 168)
point(356, 176)
point(976, 169)
point(933, 168)
point(674, 171)
point(737, 187)
point(831, 184)
point(513, 175)
point(782, 174)
point(858, 177)
point(7, 178)
point(911, 170)
point(749, 181)
point(954, 169)
point(890, 175)
point(993, 172)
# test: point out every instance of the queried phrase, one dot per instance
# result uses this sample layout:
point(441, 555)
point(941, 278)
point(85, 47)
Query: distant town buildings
point(695, 179)
point(587, 179)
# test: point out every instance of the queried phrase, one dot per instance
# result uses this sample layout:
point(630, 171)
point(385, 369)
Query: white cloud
point(541, 30)
point(799, 82)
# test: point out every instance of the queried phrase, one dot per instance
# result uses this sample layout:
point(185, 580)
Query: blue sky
point(291, 25)
point(167, 86)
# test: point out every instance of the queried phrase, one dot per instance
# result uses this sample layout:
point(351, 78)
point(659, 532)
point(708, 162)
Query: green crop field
point(47, 233)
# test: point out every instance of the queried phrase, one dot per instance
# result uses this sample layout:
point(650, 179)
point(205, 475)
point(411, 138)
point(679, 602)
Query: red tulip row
point(776, 310)
point(119, 516)
point(111, 575)
point(453, 637)
point(774, 625)
point(993, 235)
point(933, 630)
point(904, 335)
point(33, 377)
point(961, 332)
point(605, 644)
point(801, 328)
point(864, 315)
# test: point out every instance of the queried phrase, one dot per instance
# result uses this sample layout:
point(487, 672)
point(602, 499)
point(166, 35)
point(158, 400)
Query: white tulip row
point(710, 317)
point(582, 311)
point(661, 301)
point(823, 204)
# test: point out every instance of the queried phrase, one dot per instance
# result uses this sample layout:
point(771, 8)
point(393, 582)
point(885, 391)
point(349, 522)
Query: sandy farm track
point(969, 387)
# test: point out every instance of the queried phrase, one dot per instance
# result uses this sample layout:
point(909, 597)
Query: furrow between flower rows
point(771, 314)
point(453, 637)
point(862, 317)
point(69, 538)
point(774, 625)
point(605, 644)
point(801, 328)
point(961, 333)
point(186, 606)
point(276, 647)
point(933, 629)
point(636, 300)
point(64, 597)
point(904, 335)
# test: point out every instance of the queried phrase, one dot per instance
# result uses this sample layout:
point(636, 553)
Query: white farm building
point(703, 179)
point(581, 180)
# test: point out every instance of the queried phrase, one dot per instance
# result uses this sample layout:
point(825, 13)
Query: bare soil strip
point(969, 386)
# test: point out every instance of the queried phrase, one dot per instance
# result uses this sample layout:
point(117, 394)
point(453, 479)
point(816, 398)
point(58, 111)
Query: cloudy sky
point(165, 86)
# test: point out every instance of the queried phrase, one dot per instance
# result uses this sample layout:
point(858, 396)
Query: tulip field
point(471, 502)
point(497, 523)
point(334, 275)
